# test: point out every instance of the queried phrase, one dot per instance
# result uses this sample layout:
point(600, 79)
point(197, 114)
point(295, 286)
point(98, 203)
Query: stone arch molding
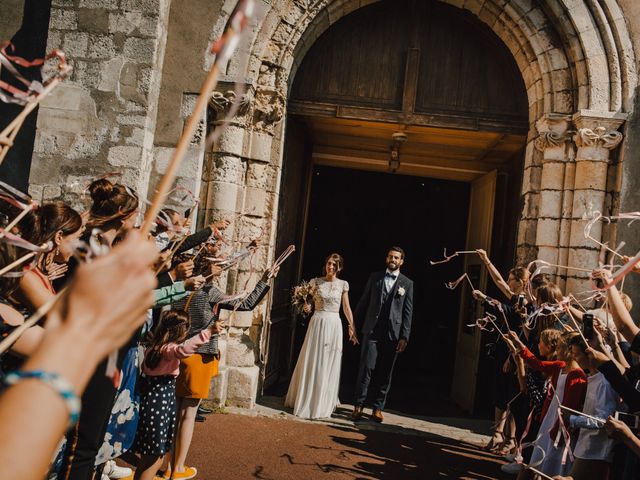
point(573, 54)
point(578, 66)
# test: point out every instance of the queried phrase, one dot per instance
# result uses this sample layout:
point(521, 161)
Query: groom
point(385, 309)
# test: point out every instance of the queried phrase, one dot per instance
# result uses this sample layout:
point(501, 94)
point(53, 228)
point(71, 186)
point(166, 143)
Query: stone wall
point(628, 173)
point(11, 18)
point(104, 118)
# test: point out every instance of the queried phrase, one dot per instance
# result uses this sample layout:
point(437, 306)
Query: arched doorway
point(407, 122)
point(576, 102)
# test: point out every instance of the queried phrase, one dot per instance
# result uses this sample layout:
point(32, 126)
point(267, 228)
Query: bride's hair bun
point(101, 190)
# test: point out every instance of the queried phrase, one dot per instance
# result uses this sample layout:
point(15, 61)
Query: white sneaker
point(512, 468)
point(104, 477)
point(114, 472)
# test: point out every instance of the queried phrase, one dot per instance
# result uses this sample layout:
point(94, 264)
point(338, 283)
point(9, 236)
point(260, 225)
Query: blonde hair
point(551, 338)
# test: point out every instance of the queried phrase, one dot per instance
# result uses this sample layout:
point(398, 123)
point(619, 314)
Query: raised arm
point(240, 304)
point(495, 274)
point(621, 317)
point(188, 347)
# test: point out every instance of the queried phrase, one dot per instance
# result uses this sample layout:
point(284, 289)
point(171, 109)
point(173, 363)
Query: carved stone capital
point(269, 108)
point(598, 137)
point(222, 103)
point(598, 129)
point(549, 140)
point(552, 131)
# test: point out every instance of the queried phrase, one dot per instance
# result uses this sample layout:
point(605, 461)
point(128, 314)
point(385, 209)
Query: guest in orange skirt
point(197, 371)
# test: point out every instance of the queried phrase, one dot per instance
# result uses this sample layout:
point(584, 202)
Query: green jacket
point(168, 295)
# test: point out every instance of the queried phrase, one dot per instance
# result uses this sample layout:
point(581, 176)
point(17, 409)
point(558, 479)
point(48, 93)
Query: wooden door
point(480, 224)
point(292, 207)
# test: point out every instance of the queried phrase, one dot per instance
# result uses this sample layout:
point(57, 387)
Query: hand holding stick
point(448, 258)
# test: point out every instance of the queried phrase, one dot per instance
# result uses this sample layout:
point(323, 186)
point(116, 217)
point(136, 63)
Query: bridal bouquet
point(303, 295)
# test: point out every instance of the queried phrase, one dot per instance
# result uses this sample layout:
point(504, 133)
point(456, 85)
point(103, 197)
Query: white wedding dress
point(313, 392)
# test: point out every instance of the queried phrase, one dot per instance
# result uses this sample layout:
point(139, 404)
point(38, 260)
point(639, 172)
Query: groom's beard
point(392, 266)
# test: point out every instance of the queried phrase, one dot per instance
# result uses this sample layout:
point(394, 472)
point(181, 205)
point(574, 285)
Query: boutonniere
point(401, 291)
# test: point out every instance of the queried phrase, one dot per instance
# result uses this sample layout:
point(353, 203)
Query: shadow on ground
point(239, 446)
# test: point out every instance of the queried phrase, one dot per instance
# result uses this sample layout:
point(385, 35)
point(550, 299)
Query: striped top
point(201, 310)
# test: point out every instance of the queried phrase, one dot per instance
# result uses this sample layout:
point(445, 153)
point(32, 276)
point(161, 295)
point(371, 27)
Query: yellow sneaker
point(189, 472)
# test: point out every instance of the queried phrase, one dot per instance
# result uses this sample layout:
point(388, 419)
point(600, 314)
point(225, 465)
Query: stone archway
point(578, 66)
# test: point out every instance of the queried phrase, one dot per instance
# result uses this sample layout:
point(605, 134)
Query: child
point(594, 450)
point(161, 366)
point(568, 385)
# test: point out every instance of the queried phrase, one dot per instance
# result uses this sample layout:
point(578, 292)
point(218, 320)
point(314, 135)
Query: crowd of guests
point(567, 388)
point(129, 345)
point(123, 359)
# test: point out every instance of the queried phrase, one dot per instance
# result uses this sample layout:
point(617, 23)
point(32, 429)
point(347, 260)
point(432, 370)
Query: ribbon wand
point(276, 265)
point(223, 49)
point(582, 414)
point(20, 260)
point(8, 135)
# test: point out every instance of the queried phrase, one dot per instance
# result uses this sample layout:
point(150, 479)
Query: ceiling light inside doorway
point(398, 139)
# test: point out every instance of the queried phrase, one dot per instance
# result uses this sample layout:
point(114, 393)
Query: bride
point(313, 392)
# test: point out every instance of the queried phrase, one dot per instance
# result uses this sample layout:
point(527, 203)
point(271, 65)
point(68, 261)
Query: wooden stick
point(13, 128)
point(20, 260)
point(172, 252)
point(15, 221)
point(31, 321)
point(10, 140)
point(575, 323)
point(537, 472)
point(582, 414)
point(290, 249)
point(192, 124)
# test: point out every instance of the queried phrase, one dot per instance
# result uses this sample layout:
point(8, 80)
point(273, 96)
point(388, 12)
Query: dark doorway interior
point(360, 214)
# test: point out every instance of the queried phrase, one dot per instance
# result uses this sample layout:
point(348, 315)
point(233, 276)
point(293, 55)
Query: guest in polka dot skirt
point(161, 366)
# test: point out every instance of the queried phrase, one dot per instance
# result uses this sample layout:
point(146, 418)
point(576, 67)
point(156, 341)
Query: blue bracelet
point(57, 383)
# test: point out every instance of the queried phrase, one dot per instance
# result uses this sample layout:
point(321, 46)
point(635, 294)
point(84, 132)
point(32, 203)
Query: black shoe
point(200, 418)
point(204, 410)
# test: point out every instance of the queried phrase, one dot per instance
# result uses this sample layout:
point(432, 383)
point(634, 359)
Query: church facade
point(565, 122)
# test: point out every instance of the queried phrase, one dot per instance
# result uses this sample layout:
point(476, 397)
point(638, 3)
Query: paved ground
point(269, 444)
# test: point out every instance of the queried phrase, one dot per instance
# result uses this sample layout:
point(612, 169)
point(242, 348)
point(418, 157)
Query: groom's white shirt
point(390, 282)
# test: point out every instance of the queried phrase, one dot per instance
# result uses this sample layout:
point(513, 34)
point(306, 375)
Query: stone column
point(552, 225)
point(527, 249)
point(103, 118)
point(595, 138)
point(241, 183)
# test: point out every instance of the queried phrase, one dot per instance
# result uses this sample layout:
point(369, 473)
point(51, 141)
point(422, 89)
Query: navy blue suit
point(385, 318)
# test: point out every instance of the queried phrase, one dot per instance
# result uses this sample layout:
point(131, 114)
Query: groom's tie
point(387, 284)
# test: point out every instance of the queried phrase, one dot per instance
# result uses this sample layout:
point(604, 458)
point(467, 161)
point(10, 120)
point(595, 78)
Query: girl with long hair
point(113, 211)
point(161, 367)
point(60, 225)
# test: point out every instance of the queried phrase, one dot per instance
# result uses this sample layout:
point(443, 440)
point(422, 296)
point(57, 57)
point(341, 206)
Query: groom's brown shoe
point(377, 416)
point(357, 413)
